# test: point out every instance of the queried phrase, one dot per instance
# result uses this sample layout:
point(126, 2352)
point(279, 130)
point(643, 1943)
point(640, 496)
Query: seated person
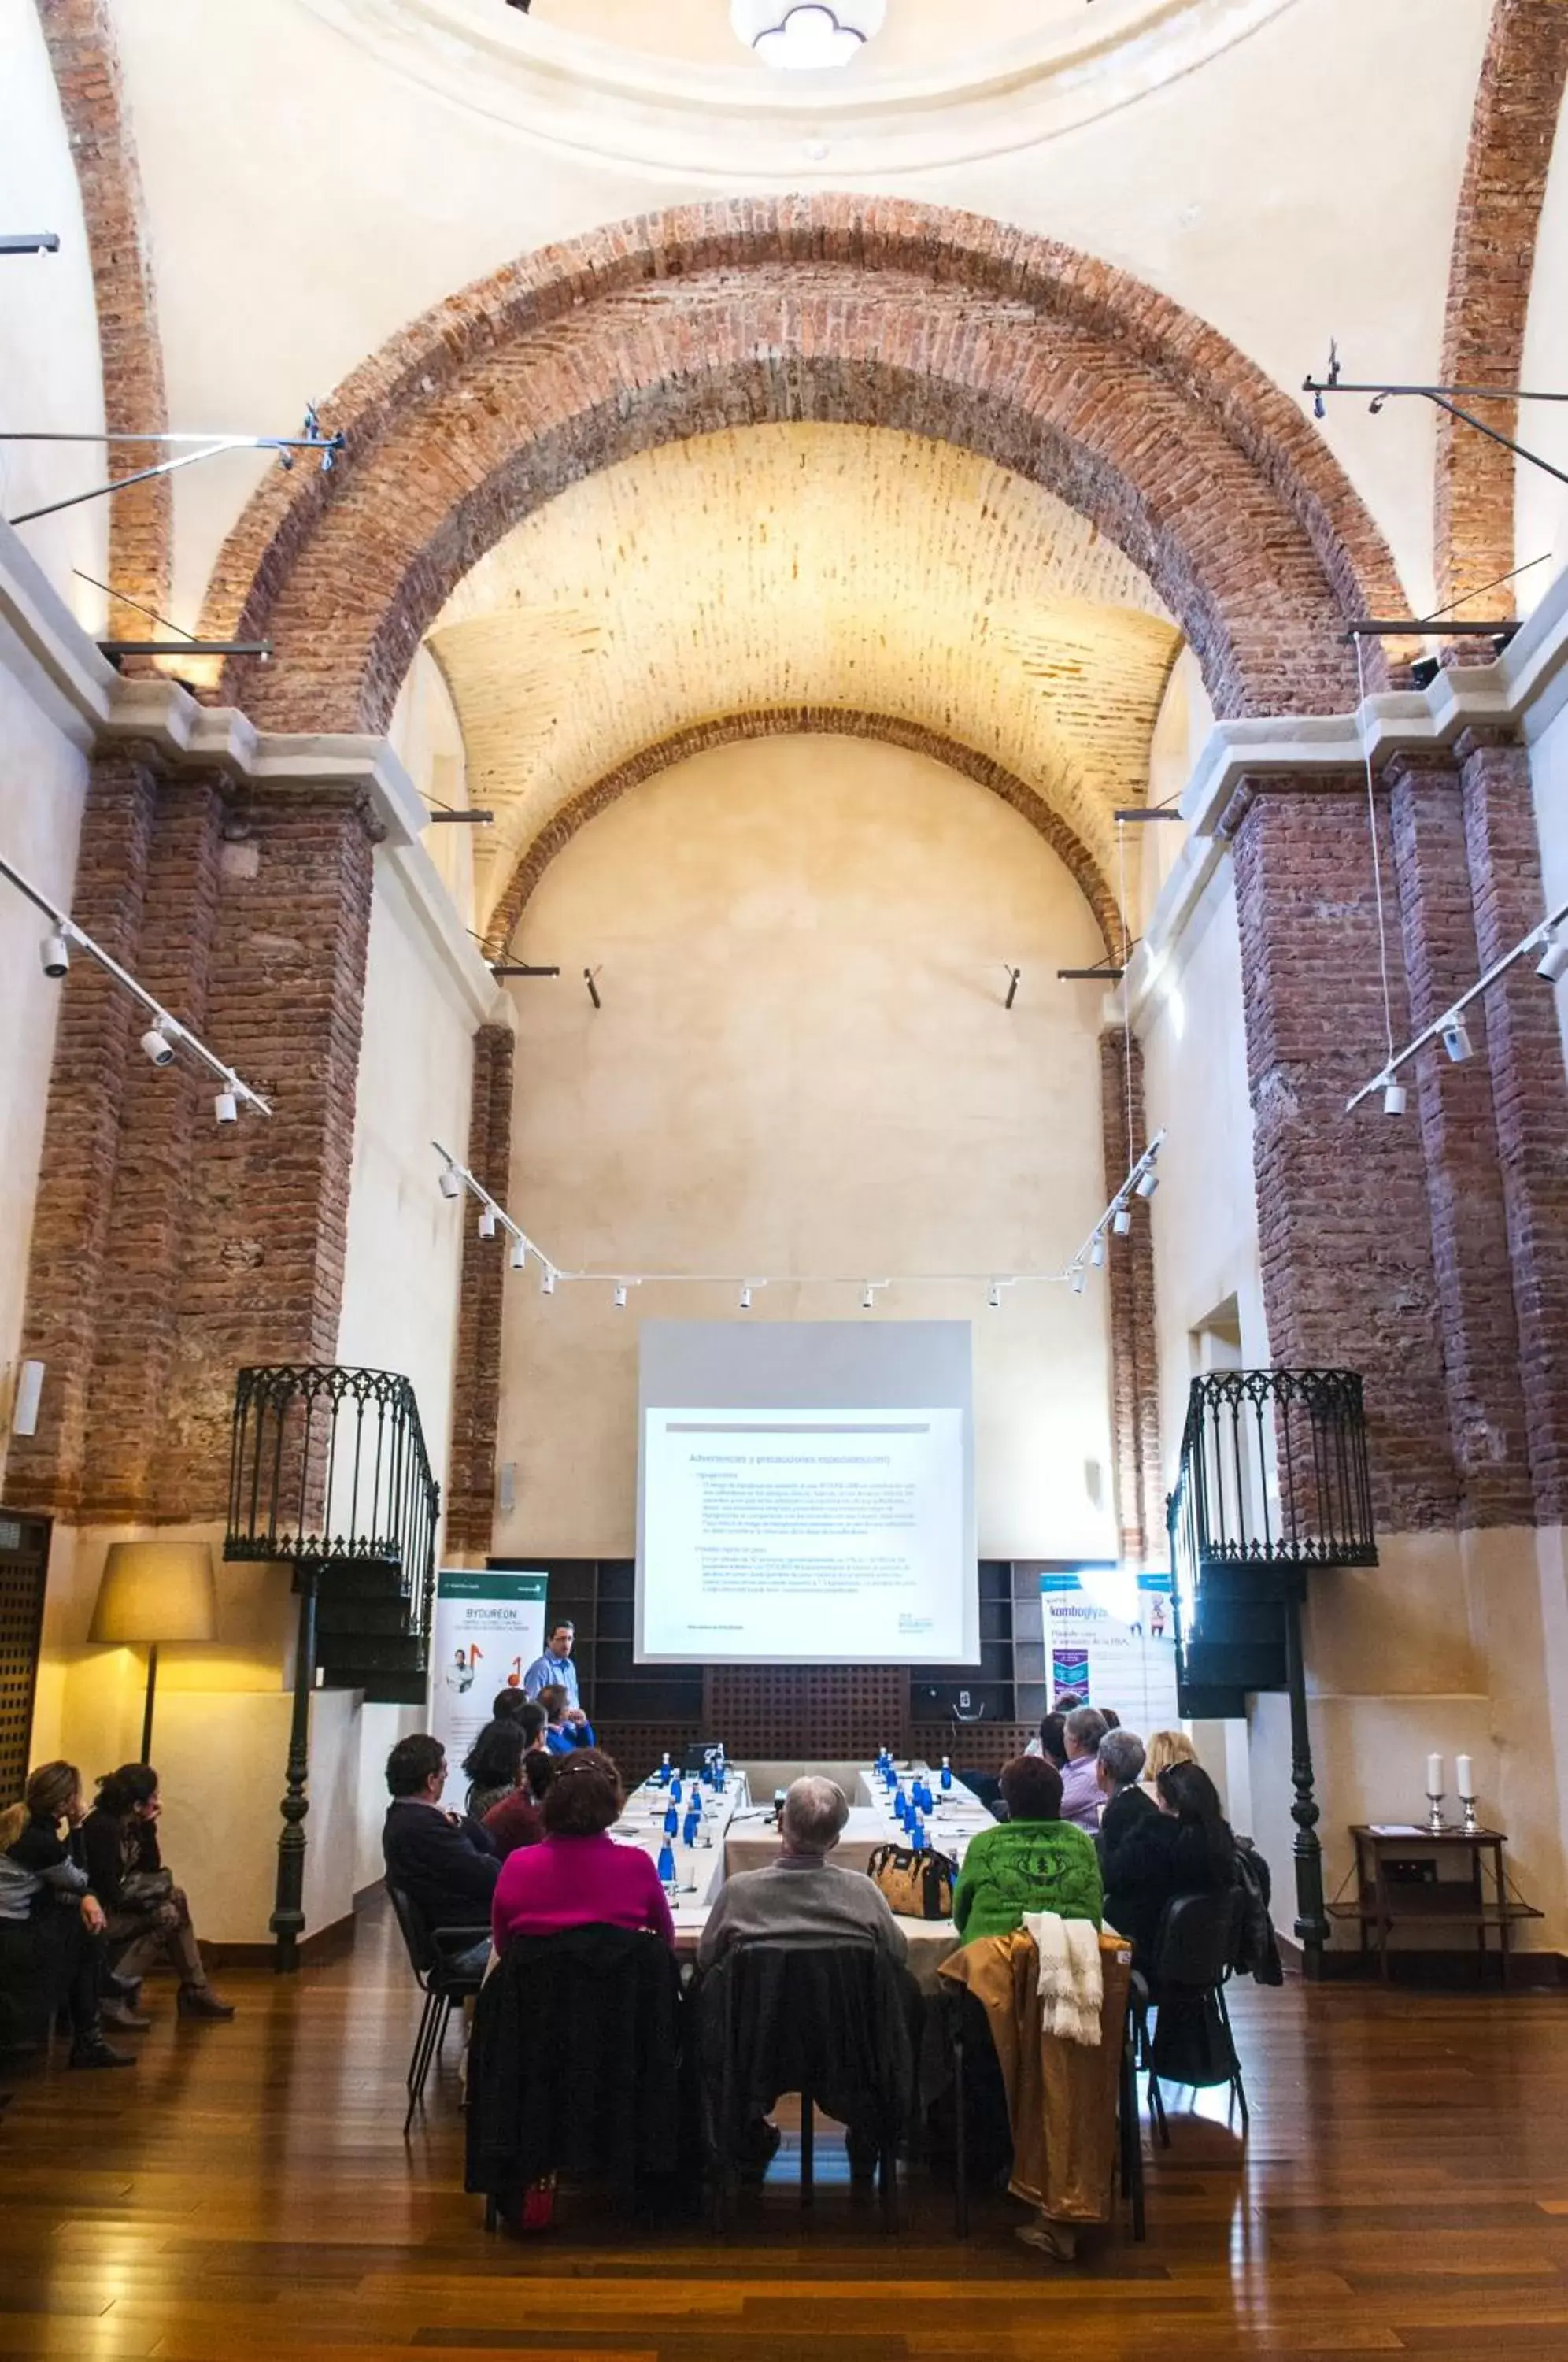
point(1185, 1848)
point(508, 1701)
point(146, 1916)
point(1031, 1861)
point(1118, 1767)
point(516, 1706)
point(1050, 1742)
point(492, 1763)
point(445, 1862)
point(517, 1820)
point(1165, 1748)
point(802, 1897)
point(52, 1924)
point(565, 1731)
point(1081, 1733)
point(579, 1876)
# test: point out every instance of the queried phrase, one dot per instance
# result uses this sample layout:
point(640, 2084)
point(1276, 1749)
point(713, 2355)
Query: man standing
point(556, 1669)
point(1081, 1792)
point(445, 1862)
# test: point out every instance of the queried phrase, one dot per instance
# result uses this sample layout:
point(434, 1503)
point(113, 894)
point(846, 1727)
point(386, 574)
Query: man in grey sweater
point(802, 1897)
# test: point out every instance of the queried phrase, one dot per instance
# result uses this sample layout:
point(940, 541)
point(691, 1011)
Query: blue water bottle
point(917, 1835)
point(667, 1868)
point(675, 1789)
point(664, 1773)
point(671, 1820)
point(946, 1773)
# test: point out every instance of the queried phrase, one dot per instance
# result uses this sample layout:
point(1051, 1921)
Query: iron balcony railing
point(1272, 1472)
point(329, 1465)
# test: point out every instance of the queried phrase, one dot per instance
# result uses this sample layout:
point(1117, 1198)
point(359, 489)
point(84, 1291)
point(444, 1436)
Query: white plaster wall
point(42, 783)
point(49, 373)
point(381, 196)
point(802, 1063)
point(427, 739)
point(1181, 727)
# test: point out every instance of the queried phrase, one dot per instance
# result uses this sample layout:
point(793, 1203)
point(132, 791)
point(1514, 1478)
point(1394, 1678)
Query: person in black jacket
point(1118, 1767)
point(52, 1924)
point(445, 1862)
point(148, 1917)
point(1185, 1848)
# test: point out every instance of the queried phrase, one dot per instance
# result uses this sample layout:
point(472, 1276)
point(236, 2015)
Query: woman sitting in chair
point(1032, 1861)
point(563, 1737)
point(1185, 1848)
point(579, 1876)
point(148, 1917)
point(494, 1764)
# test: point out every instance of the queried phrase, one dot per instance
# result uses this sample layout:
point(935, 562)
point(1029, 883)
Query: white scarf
point(1071, 1987)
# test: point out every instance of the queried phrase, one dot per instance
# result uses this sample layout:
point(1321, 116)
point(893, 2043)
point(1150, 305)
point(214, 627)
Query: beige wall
point(803, 1064)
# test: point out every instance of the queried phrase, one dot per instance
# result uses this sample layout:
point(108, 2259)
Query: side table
point(1480, 1898)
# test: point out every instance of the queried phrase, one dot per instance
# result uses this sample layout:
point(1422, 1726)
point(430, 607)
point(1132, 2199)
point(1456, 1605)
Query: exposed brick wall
point(81, 38)
point(1524, 1049)
point(1130, 1277)
point(875, 311)
point(476, 1394)
point(773, 722)
point(1344, 1231)
point(71, 1241)
point(1511, 132)
point(1453, 1106)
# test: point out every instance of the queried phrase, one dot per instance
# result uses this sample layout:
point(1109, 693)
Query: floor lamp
point(152, 1591)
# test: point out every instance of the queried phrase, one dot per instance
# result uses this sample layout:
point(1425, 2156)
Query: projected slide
point(784, 1526)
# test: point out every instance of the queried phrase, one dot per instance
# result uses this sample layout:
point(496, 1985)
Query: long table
point(738, 1834)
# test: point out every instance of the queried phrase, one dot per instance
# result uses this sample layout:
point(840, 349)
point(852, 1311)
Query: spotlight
point(519, 1254)
point(487, 1222)
point(548, 1283)
point(1456, 1037)
point(1552, 964)
point(1097, 1249)
point(621, 1298)
point(993, 1296)
point(869, 1300)
point(157, 1045)
point(745, 1299)
point(1424, 670)
point(225, 1103)
point(451, 1186)
point(1079, 1280)
point(54, 952)
point(1122, 1221)
point(1148, 1181)
point(1396, 1098)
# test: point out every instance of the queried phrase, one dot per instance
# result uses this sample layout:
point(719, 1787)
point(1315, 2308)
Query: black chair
point(433, 1954)
point(1193, 1953)
point(828, 2021)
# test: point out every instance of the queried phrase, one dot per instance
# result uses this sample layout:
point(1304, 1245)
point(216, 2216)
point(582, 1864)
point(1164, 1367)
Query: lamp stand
point(146, 1755)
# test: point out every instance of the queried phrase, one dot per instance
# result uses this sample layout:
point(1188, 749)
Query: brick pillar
point(96, 1036)
point(1465, 1186)
point(1130, 1277)
point(262, 1276)
point(1524, 1048)
point(476, 1395)
point(1344, 1232)
point(165, 1129)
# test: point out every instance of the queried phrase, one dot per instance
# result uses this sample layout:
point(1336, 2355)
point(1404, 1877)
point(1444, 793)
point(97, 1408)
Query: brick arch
point(1515, 121)
point(874, 312)
point(788, 721)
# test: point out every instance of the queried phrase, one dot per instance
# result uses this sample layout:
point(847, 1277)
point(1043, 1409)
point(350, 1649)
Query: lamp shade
point(156, 1591)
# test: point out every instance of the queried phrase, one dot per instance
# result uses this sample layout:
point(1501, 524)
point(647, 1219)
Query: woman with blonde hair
point(1165, 1748)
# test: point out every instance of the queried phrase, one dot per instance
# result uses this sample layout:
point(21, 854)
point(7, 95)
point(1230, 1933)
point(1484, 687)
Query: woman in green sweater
point(1032, 1861)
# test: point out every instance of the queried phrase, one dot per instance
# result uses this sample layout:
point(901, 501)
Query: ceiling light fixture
point(1552, 964)
point(451, 1185)
point(519, 1254)
point(487, 1222)
point(1456, 1037)
point(1396, 1098)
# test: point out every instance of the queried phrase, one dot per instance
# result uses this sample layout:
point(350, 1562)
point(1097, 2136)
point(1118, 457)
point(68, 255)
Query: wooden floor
point(247, 2192)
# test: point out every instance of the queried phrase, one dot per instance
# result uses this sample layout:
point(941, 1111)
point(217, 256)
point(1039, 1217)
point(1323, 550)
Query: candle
point(1466, 1783)
point(1434, 1776)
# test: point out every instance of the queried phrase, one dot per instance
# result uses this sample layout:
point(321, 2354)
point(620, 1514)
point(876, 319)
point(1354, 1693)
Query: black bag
point(1257, 1954)
point(916, 1885)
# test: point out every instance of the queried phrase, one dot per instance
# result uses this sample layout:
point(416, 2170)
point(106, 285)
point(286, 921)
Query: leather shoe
point(123, 2018)
point(200, 2001)
point(93, 2051)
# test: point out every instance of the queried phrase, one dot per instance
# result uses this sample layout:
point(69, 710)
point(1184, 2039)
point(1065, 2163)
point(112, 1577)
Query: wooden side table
point(1480, 1899)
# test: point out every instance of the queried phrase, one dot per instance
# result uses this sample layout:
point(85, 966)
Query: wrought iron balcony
point(1273, 1473)
point(329, 1466)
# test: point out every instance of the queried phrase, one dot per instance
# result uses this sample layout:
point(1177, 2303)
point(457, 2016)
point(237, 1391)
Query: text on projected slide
point(794, 1533)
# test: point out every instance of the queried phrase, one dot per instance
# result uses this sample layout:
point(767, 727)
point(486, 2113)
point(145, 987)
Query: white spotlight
point(451, 1186)
point(487, 1222)
point(225, 1103)
point(519, 1254)
point(993, 1296)
point(1122, 1221)
point(1097, 1249)
point(745, 1299)
point(548, 1283)
point(54, 952)
point(1396, 1098)
point(1456, 1037)
point(869, 1300)
point(1079, 1278)
point(157, 1045)
point(621, 1298)
point(1552, 964)
point(1148, 1181)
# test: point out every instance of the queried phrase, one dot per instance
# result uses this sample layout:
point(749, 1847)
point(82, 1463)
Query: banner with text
point(1109, 1637)
point(489, 1629)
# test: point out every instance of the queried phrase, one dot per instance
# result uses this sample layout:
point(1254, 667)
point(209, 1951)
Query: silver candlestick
point(1434, 1818)
point(1471, 1819)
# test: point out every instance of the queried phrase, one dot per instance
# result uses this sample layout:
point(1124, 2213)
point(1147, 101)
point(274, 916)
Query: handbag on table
point(915, 1885)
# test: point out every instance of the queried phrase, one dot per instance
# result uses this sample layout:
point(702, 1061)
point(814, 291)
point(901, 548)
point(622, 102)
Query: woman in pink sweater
point(579, 1876)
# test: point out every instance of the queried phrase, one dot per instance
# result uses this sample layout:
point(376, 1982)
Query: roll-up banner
point(490, 1626)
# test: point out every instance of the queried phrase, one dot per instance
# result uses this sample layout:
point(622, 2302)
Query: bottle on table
point(671, 1820)
point(667, 1867)
point(664, 1773)
point(946, 1773)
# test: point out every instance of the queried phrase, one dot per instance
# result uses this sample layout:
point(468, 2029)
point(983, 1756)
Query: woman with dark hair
point(1031, 1861)
point(579, 1876)
point(147, 1917)
point(52, 1924)
point(517, 1819)
point(493, 1763)
point(561, 1736)
point(1185, 1848)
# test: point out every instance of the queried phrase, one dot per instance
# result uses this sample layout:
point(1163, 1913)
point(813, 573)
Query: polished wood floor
point(247, 2192)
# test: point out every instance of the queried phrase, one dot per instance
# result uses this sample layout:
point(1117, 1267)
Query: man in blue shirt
point(555, 1667)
